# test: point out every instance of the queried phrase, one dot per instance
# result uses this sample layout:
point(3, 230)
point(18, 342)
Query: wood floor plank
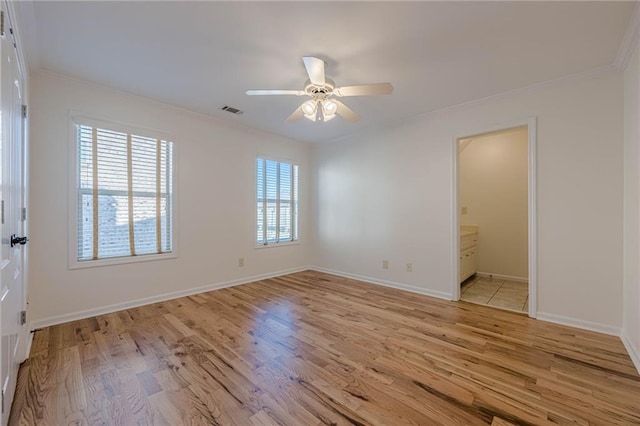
point(315, 349)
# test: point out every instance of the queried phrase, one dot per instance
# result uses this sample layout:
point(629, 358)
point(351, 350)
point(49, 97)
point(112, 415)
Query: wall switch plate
point(385, 264)
point(409, 267)
point(241, 262)
point(465, 210)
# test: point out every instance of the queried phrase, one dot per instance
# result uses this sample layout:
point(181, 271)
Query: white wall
point(631, 293)
point(387, 194)
point(492, 185)
point(215, 207)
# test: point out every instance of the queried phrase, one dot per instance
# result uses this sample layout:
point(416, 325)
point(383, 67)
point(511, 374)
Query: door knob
point(18, 240)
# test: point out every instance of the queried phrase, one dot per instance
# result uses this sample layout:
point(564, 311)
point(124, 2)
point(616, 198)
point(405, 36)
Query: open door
point(12, 292)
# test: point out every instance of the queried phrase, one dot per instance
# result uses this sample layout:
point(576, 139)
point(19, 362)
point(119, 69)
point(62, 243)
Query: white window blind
point(124, 194)
point(277, 202)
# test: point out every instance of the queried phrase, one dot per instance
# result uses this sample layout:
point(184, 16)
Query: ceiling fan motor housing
point(318, 92)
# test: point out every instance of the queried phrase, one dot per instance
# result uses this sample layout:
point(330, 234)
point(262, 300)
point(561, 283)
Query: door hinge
point(2, 212)
point(2, 23)
point(24, 214)
point(3, 401)
point(23, 317)
point(24, 111)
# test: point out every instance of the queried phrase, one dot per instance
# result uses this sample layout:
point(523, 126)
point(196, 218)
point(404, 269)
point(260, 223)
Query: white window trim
point(272, 245)
point(255, 198)
point(72, 196)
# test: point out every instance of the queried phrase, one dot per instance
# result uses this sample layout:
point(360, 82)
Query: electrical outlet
point(241, 262)
point(409, 267)
point(385, 264)
point(465, 210)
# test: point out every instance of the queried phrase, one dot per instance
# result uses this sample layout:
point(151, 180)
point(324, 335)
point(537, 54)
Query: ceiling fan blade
point(315, 69)
point(295, 115)
point(274, 92)
point(365, 90)
point(346, 112)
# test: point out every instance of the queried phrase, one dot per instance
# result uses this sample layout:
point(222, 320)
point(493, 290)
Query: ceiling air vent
point(232, 110)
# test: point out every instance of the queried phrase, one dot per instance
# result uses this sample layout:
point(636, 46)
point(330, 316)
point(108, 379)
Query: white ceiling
point(203, 55)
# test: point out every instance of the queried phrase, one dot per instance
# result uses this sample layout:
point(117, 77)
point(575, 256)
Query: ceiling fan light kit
point(309, 109)
point(322, 107)
point(329, 109)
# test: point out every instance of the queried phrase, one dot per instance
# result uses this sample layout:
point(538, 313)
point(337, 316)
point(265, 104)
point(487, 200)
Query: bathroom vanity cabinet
point(468, 251)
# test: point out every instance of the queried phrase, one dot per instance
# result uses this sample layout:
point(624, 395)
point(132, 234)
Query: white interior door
point(12, 300)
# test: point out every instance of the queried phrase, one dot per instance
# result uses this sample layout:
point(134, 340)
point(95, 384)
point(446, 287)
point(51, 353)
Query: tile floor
point(503, 294)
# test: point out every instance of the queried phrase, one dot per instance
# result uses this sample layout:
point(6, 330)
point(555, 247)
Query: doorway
point(494, 218)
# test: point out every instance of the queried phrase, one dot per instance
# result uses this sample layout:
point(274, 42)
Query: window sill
point(74, 264)
point(272, 245)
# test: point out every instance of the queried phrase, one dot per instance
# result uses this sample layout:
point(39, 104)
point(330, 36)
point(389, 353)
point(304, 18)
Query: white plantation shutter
point(124, 194)
point(277, 202)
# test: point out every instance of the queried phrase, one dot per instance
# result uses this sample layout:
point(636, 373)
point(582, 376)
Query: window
point(124, 186)
point(277, 202)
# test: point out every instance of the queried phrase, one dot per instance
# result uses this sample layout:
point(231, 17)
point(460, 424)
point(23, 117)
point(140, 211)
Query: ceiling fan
point(323, 106)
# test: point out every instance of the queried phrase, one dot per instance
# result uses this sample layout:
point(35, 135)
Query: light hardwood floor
point(311, 348)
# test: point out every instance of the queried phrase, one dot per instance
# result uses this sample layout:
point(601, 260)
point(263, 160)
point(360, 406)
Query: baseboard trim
point(585, 325)
point(88, 313)
point(557, 319)
point(633, 353)
point(503, 277)
point(392, 284)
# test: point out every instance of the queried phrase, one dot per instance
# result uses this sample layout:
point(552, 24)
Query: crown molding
point(229, 123)
point(630, 40)
point(533, 88)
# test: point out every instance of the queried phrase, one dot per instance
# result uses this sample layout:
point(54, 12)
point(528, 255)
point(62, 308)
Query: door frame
point(531, 124)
